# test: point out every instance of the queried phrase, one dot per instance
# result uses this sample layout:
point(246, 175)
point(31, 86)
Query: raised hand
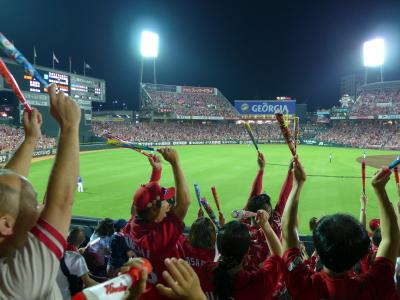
point(261, 161)
point(298, 172)
point(64, 109)
point(32, 123)
point(182, 281)
point(262, 218)
point(170, 155)
point(381, 178)
point(363, 201)
point(155, 161)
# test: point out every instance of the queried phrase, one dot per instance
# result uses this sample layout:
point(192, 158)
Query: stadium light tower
point(149, 49)
point(374, 55)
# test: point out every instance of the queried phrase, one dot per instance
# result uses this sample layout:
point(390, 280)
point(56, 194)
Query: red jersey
point(303, 283)
point(156, 242)
point(258, 285)
point(259, 250)
point(196, 257)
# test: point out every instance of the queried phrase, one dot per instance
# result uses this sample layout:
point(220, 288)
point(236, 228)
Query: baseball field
point(111, 176)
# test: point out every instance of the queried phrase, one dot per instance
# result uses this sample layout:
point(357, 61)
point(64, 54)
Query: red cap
point(374, 224)
point(150, 192)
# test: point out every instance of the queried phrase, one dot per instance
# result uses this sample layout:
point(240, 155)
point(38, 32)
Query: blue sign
point(267, 107)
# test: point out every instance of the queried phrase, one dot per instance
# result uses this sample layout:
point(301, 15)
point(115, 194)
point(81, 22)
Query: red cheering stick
point(14, 85)
point(396, 176)
point(285, 132)
point(214, 192)
point(363, 175)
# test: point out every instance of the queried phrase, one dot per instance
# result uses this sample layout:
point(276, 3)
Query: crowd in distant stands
point(377, 102)
point(182, 104)
point(11, 137)
point(185, 131)
point(363, 134)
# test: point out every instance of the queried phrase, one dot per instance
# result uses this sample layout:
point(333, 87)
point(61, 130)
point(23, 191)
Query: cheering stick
point(396, 176)
point(394, 163)
point(210, 212)
point(250, 132)
point(198, 195)
point(363, 175)
point(14, 85)
point(241, 214)
point(214, 193)
point(9, 49)
point(296, 131)
point(285, 132)
point(125, 144)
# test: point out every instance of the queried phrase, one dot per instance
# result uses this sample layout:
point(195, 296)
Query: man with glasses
point(32, 236)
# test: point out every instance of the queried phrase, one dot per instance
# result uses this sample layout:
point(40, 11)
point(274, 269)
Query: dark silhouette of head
point(202, 234)
point(233, 242)
point(341, 241)
point(262, 201)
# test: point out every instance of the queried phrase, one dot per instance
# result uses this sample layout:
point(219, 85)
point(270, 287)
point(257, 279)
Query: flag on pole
point(55, 59)
point(34, 55)
point(87, 66)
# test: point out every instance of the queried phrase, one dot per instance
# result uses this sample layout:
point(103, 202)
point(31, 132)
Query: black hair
point(105, 227)
point(262, 201)
point(233, 242)
point(74, 235)
point(377, 237)
point(312, 223)
point(202, 234)
point(341, 241)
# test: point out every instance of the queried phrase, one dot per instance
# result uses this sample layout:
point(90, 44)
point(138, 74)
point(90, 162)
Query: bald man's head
point(19, 211)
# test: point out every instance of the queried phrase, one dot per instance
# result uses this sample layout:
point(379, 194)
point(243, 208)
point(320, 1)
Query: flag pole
point(70, 64)
point(84, 68)
point(53, 59)
point(34, 55)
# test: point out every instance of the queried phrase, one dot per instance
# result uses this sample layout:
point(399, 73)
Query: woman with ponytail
point(226, 279)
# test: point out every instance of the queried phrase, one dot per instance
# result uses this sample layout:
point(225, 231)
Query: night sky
point(247, 49)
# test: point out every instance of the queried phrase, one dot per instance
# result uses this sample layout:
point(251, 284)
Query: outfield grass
point(111, 177)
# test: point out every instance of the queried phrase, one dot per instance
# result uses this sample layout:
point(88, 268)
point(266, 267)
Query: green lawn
point(111, 177)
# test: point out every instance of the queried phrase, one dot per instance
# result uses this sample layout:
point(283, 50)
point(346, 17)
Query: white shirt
point(31, 272)
point(76, 265)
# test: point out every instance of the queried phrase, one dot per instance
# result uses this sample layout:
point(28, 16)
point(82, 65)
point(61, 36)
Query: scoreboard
point(83, 89)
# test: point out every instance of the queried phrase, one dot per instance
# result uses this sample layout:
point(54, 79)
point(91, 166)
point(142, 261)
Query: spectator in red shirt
point(227, 279)
point(154, 230)
point(341, 241)
point(259, 250)
point(199, 246)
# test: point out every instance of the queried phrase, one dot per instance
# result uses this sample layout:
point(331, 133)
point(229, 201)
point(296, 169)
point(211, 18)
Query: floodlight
point(149, 44)
point(374, 51)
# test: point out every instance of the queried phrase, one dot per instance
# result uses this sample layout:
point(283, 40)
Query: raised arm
point(21, 160)
point(272, 239)
point(155, 163)
point(285, 191)
point(62, 182)
point(182, 190)
point(256, 189)
point(289, 218)
point(363, 209)
point(388, 247)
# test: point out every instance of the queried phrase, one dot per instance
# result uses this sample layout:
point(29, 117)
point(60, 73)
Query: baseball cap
point(150, 192)
point(374, 224)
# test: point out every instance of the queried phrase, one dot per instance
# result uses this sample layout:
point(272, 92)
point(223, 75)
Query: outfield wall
point(4, 157)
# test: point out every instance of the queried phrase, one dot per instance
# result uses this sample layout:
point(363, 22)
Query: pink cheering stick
point(396, 176)
point(14, 85)
point(285, 132)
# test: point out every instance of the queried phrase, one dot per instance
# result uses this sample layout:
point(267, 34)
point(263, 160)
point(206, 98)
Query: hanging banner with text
point(268, 107)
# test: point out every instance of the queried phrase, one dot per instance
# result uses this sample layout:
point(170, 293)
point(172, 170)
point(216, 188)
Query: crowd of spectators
point(11, 137)
point(365, 134)
point(185, 131)
point(377, 102)
point(185, 104)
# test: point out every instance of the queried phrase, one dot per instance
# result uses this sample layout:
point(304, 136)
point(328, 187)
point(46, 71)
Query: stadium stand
point(186, 101)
